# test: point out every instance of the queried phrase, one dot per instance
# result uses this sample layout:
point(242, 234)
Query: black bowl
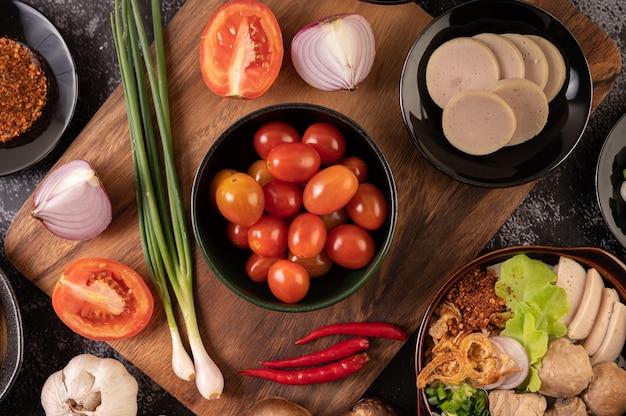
point(11, 334)
point(610, 267)
point(234, 149)
point(514, 165)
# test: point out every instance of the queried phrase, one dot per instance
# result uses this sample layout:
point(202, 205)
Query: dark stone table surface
point(561, 210)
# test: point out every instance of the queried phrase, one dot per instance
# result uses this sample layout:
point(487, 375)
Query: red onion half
point(334, 53)
point(72, 203)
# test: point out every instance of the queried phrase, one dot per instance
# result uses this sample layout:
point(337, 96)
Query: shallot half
point(72, 203)
point(334, 53)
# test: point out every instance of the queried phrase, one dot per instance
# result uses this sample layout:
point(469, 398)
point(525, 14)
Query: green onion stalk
point(163, 227)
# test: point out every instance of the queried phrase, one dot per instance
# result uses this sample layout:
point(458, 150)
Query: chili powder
point(23, 89)
point(481, 309)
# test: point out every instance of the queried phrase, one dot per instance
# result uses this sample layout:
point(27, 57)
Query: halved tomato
point(102, 299)
point(241, 49)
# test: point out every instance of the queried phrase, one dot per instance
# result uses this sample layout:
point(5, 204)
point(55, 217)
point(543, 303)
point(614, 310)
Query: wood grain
point(442, 223)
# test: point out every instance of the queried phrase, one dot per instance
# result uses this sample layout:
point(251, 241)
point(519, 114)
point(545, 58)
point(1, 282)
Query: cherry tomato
point(329, 190)
point(288, 281)
point(350, 246)
point(273, 133)
point(335, 218)
point(327, 140)
point(258, 266)
point(316, 266)
point(241, 49)
point(307, 235)
point(368, 207)
point(293, 162)
point(268, 236)
point(282, 199)
point(240, 199)
point(215, 181)
point(259, 171)
point(357, 166)
point(237, 235)
point(102, 299)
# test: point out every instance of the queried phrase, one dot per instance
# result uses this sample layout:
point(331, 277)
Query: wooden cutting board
point(442, 224)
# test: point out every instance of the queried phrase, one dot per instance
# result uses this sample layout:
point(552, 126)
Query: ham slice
point(478, 122)
point(529, 104)
point(509, 58)
point(457, 65)
point(535, 62)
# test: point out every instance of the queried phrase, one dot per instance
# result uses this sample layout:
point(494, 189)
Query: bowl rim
point(12, 363)
point(611, 268)
point(42, 36)
point(369, 271)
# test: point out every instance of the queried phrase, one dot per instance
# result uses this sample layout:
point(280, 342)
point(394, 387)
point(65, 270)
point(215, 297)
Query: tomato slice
point(102, 299)
point(241, 49)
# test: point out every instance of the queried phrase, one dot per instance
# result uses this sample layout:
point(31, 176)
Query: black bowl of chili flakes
point(468, 301)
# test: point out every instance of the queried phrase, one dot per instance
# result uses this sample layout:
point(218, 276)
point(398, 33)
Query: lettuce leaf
point(537, 304)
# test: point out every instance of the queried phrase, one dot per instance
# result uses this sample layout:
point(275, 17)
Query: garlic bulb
point(93, 386)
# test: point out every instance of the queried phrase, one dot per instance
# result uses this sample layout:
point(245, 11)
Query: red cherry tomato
point(316, 266)
point(258, 170)
point(282, 199)
point(293, 162)
point(350, 246)
point(288, 281)
point(237, 235)
point(327, 140)
point(307, 235)
point(357, 166)
point(329, 190)
point(215, 181)
point(273, 133)
point(268, 236)
point(241, 49)
point(102, 299)
point(368, 207)
point(258, 266)
point(335, 218)
point(240, 199)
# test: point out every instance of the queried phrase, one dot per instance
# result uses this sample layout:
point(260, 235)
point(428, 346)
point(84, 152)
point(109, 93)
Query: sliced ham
point(556, 66)
point(535, 62)
point(457, 65)
point(478, 122)
point(509, 58)
point(529, 104)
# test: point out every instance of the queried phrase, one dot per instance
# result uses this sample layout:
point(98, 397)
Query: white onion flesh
point(72, 203)
point(518, 354)
point(334, 53)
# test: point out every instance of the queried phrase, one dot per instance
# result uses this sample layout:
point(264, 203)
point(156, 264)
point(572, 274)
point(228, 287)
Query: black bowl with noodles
point(234, 149)
point(610, 268)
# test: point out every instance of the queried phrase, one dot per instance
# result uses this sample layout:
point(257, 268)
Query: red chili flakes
point(23, 89)
point(481, 309)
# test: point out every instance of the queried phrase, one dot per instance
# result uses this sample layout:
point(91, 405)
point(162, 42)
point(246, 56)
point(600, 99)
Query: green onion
point(165, 239)
point(458, 399)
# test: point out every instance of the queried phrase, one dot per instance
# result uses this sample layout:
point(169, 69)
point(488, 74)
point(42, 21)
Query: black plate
point(612, 158)
point(24, 24)
point(12, 321)
point(510, 166)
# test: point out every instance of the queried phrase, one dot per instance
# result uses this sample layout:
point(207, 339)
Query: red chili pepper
point(312, 375)
point(335, 352)
point(363, 329)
